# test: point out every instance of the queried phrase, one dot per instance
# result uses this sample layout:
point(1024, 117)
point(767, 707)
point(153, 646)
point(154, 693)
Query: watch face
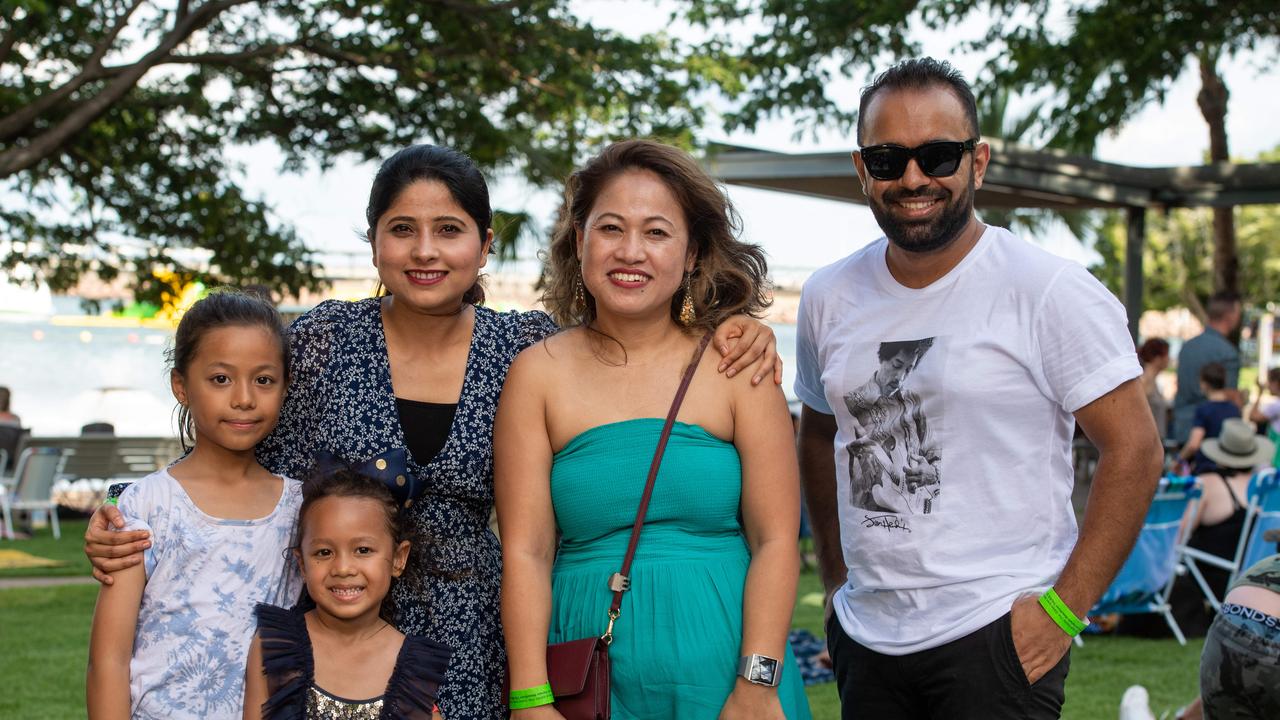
point(765, 670)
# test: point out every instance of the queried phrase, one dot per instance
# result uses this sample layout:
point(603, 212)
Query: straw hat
point(1238, 446)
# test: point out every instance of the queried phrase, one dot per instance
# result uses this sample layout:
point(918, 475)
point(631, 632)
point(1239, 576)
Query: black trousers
point(976, 677)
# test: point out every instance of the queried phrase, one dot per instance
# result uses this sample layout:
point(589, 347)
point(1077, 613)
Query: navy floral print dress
point(341, 401)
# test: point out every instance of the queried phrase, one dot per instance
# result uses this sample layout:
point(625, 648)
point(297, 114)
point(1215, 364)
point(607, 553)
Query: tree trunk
point(1212, 100)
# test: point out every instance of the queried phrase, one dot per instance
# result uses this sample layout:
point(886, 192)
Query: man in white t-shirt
point(942, 369)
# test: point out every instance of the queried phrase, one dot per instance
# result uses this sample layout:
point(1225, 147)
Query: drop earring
point(687, 315)
point(579, 295)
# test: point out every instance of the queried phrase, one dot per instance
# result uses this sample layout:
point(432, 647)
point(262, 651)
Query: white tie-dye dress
point(204, 577)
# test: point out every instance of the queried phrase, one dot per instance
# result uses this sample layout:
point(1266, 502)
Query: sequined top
point(288, 663)
point(321, 704)
point(341, 400)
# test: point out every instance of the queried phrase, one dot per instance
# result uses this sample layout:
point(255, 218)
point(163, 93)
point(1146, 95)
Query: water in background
point(65, 377)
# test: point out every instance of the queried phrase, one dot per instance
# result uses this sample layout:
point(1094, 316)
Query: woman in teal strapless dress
point(714, 576)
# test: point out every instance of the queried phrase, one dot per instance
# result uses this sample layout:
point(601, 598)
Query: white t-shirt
point(204, 576)
point(1271, 410)
point(953, 406)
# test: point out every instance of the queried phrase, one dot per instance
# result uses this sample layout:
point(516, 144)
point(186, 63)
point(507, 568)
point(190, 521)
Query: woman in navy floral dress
point(421, 368)
point(342, 401)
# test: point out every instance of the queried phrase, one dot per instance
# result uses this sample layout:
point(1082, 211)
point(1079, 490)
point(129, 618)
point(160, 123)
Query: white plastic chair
point(32, 486)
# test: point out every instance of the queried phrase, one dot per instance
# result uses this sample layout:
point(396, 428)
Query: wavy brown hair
point(729, 276)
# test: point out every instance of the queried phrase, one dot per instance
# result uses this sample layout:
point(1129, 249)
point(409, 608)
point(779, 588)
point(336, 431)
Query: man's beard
point(926, 236)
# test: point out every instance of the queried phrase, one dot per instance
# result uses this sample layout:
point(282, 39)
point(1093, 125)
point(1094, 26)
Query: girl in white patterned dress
point(171, 635)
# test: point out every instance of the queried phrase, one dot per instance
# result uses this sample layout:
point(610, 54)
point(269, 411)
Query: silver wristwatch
point(760, 669)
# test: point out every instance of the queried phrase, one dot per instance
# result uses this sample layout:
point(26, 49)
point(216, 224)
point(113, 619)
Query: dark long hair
point(222, 307)
point(457, 172)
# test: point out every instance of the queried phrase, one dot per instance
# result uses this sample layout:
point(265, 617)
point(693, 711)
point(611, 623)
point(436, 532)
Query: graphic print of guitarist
point(893, 464)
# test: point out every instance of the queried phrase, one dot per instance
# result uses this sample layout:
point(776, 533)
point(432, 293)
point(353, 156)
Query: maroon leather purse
point(578, 670)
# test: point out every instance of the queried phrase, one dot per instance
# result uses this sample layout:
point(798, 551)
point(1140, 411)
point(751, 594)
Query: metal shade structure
point(1019, 177)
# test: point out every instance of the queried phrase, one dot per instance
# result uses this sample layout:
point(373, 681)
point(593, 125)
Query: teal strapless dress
point(677, 643)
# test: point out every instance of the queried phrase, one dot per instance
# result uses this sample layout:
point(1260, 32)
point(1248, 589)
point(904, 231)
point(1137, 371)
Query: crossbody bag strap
point(621, 581)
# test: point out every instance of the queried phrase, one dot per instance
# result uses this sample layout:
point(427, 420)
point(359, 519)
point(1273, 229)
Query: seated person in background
point(1214, 527)
point(10, 433)
point(1209, 416)
point(1267, 408)
point(1239, 669)
point(6, 417)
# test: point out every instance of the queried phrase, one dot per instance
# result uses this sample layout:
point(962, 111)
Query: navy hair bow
point(390, 467)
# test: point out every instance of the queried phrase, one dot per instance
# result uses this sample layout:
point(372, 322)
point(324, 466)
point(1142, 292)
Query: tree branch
point(232, 58)
point(100, 50)
point(20, 158)
point(23, 117)
point(475, 8)
point(7, 42)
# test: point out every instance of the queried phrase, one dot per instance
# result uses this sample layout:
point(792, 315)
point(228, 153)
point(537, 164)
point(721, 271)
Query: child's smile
point(349, 557)
point(347, 593)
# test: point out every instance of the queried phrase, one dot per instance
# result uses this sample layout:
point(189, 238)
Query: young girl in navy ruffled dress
point(343, 658)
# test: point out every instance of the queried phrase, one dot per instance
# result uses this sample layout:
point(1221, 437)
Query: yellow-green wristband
point(532, 697)
point(1061, 614)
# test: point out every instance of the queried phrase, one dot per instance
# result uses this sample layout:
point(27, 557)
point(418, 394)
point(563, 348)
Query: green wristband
point(1061, 614)
point(532, 697)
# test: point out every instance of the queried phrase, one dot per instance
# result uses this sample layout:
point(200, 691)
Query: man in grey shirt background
point(1224, 311)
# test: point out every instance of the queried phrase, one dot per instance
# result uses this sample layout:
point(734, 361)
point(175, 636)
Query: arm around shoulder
point(109, 546)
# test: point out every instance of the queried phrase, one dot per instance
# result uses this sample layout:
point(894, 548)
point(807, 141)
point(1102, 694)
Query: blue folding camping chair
point(1146, 578)
point(1263, 516)
point(1262, 513)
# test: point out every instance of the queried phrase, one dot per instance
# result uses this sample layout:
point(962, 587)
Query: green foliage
point(116, 115)
point(995, 121)
point(1095, 63)
point(1178, 255)
point(795, 49)
point(1119, 56)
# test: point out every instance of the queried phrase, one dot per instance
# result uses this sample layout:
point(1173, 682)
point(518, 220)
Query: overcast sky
point(328, 208)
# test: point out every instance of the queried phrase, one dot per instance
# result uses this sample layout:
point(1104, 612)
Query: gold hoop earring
point(687, 314)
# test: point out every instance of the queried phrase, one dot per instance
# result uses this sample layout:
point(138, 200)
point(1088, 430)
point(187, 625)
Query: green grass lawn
point(44, 635)
point(68, 549)
point(44, 645)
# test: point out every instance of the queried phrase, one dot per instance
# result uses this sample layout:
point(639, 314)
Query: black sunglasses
point(936, 159)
